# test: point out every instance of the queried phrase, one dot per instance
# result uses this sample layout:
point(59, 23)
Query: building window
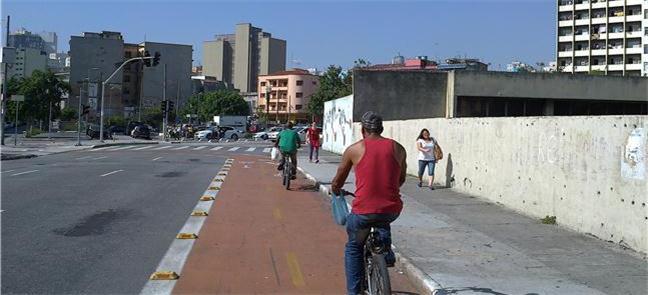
point(262, 95)
point(300, 82)
point(298, 107)
point(299, 94)
point(263, 83)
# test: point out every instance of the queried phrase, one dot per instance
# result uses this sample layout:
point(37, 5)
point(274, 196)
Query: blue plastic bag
point(339, 208)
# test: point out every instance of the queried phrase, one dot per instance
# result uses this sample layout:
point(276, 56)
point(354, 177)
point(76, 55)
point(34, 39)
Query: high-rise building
point(241, 57)
point(22, 38)
point(599, 36)
point(51, 41)
point(95, 56)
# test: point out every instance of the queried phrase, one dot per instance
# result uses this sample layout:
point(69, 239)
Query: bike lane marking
point(176, 256)
point(113, 172)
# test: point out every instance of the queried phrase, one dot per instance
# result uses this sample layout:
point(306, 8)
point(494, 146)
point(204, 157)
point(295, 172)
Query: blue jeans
point(430, 165)
point(353, 252)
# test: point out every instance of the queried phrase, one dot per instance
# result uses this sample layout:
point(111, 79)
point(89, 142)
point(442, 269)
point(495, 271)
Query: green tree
point(335, 83)
point(152, 116)
point(215, 103)
point(68, 114)
point(41, 90)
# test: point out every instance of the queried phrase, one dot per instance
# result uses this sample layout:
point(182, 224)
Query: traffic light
point(170, 106)
point(163, 107)
point(147, 61)
point(156, 58)
point(86, 109)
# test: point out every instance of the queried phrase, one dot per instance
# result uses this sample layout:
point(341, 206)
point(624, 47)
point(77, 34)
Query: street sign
point(93, 102)
point(92, 90)
point(16, 97)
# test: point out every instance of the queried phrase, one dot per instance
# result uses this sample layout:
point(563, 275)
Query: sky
point(318, 33)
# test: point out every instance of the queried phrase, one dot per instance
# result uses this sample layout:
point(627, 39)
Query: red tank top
point(377, 179)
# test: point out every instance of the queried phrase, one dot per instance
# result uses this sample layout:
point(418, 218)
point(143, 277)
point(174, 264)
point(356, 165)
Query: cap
point(372, 121)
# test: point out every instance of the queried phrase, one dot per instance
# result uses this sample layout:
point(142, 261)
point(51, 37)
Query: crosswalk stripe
point(217, 148)
point(267, 150)
point(200, 148)
point(250, 149)
point(123, 148)
point(100, 149)
point(181, 147)
point(144, 147)
point(162, 147)
point(233, 149)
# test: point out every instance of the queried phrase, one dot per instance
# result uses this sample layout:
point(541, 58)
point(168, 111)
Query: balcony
point(615, 51)
point(598, 21)
point(618, 67)
point(583, 37)
point(581, 69)
point(567, 69)
point(582, 22)
point(599, 68)
point(615, 19)
point(633, 67)
point(565, 23)
point(633, 34)
point(568, 7)
point(565, 53)
point(615, 36)
point(567, 38)
point(634, 50)
point(634, 18)
point(581, 53)
point(615, 3)
point(584, 6)
point(633, 2)
point(599, 5)
point(598, 52)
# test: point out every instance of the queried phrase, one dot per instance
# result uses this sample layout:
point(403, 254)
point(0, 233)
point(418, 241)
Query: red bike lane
point(261, 238)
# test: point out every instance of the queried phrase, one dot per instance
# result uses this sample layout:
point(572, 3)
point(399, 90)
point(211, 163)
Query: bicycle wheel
point(378, 276)
point(287, 174)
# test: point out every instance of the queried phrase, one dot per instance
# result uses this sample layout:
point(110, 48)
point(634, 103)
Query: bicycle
point(287, 170)
point(376, 281)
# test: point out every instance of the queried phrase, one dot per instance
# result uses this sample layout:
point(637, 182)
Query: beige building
point(241, 57)
point(285, 95)
point(609, 37)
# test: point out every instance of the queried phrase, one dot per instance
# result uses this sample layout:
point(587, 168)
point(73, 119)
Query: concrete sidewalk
point(458, 244)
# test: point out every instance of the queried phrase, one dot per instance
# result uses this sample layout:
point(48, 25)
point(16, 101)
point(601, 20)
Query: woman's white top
point(429, 145)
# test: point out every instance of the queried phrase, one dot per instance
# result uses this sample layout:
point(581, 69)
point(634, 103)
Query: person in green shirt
point(288, 142)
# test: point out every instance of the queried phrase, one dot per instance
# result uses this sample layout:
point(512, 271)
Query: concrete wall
point(550, 86)
point(589, 172)
point(399, 95)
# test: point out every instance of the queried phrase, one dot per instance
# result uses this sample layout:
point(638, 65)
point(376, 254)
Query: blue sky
point(319, 33)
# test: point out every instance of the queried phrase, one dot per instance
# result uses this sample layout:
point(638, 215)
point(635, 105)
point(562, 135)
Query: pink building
point(289, 93)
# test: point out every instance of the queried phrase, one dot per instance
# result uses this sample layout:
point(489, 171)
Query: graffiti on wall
point(338, 124)
point(634, 155)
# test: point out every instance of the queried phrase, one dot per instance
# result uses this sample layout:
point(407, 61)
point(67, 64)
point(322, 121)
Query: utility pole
point(4, 87)
point(166, 114)
point(86, 83)
point(141, 93)
point(177, 101)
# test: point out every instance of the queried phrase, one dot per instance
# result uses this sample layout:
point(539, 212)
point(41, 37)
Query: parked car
point(230, 133)
point(207, 134)
point(272, 134)
point(131, 125)
point(92, 131)
point(264, 134)
point(141, 131)
point(117, 130)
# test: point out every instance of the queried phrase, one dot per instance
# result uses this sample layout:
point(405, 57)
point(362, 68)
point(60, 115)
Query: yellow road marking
point(295, 272)
point(277, 214)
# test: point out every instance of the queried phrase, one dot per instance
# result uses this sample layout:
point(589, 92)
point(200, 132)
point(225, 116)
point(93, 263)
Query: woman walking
point(425, 145)
point(313, 137)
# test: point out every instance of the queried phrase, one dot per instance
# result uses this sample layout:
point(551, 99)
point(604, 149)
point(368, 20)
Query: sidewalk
point(40, 145)
point(465, 245)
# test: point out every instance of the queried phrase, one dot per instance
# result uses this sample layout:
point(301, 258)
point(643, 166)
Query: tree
point(216, 103)
point(334, 83)
point(68, 114)
point(41, 90)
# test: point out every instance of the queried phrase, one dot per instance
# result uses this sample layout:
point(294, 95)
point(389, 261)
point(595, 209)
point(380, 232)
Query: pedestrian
point(425, 145)
point(313, 138)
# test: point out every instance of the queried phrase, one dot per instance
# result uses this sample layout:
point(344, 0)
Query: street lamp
point(268, 90)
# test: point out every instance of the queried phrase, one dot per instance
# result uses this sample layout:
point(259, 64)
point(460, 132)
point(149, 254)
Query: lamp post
point(268, 89)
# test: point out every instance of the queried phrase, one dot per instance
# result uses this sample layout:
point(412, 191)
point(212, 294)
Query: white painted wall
point(589, 172)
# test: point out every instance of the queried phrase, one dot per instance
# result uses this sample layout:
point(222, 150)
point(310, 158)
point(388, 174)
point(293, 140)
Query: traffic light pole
point(103, 92)
point(166, 105)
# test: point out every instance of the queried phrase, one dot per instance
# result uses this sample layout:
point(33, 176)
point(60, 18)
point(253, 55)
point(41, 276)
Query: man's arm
point(342, 171)
point(402, 154)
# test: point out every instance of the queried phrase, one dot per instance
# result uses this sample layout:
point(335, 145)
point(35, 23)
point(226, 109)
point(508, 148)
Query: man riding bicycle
point(380, 169)
point(288, 142)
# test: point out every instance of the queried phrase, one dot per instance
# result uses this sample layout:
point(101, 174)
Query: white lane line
point(123, 148)
point(155, 159)
point(181, 147)
point(250, 149)
point(8, 171)
point(144, 147)
point(116, 171)
point(176, 256)
point(161, 148)
point(99, 158)
point(233, 149)
point(200, 147)
point(85, 157)
point(267, 150)
point(217, 148)
point(21, 173)
point(101, 148)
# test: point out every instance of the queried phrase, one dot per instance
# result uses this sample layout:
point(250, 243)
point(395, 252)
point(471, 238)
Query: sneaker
point(390, 258)
point(431, 188)
point(280, 167)
point(420, 184)
point(316, 161)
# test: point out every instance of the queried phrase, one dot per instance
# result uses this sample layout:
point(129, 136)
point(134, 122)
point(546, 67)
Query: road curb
point(422, 281)
point(8, 157)
point(122, 143)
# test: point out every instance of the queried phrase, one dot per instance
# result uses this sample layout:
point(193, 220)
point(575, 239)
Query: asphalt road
point(96, 222)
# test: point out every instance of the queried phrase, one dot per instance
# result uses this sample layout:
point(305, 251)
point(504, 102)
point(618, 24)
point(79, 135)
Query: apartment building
point(285, 95)
point(603, 36)
point(241, 57)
